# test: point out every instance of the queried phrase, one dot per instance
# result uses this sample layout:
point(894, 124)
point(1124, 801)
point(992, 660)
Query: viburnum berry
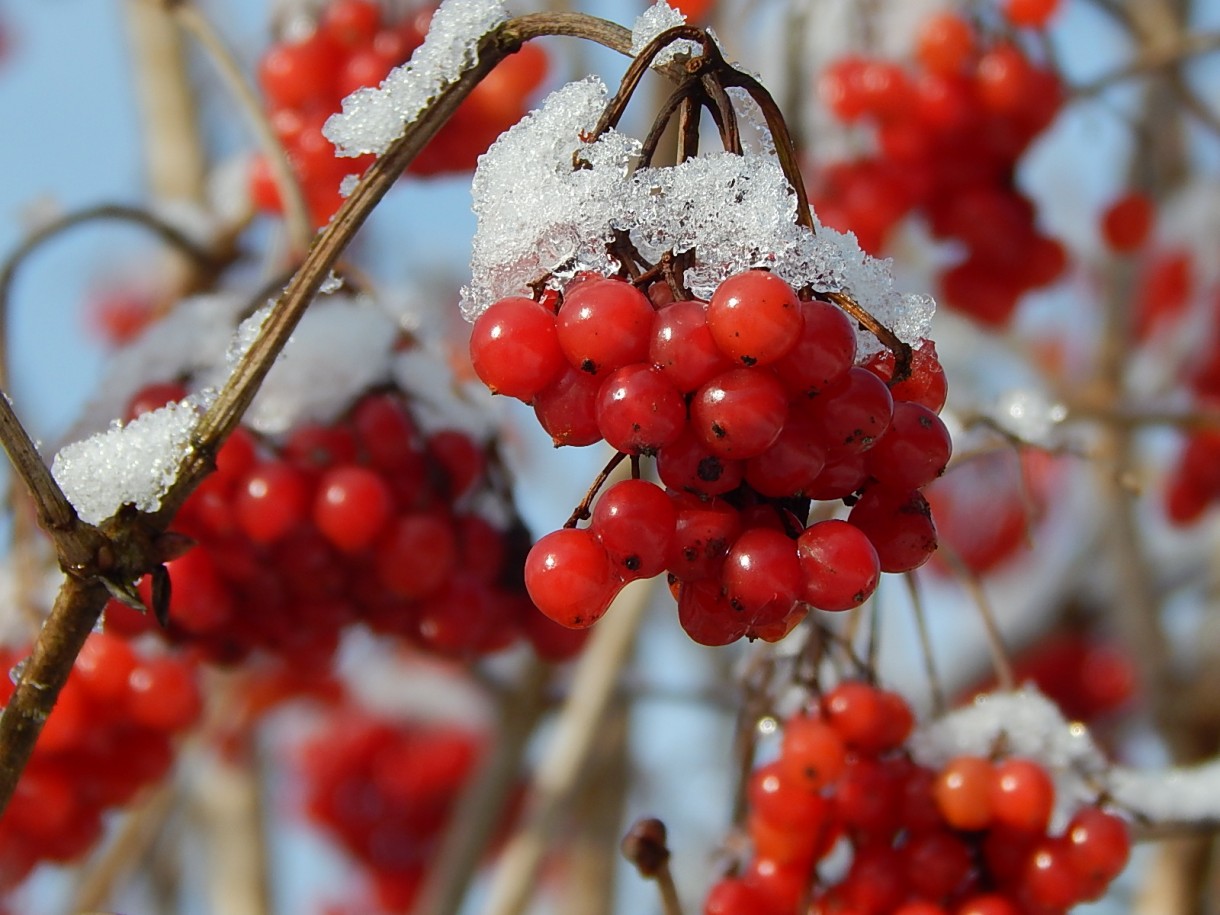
point(812, 754)
point(754, 317)
point(740, 413)
point(514, 348)
point(352, 505)
point(964, 792)
point(1127, 222)
point(1023, 795)
point(761, 573)
point(636, 523)
point(839, 565)
point(682, 346)
point(639, 411)
point(603, 325)
point(1034, 14)
point(570, 577)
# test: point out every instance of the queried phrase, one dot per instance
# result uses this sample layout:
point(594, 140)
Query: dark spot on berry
point(588, 365)
point(690, 553)
point(749, 360)
point(718, 430)
point(632, 563)
point(925, 421)
point(709, 469)
point(635, 427)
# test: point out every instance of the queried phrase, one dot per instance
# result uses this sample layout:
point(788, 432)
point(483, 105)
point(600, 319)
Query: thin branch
point(593, 688)
point(995, 639)
point(474, 819)
point(1151, 59)
point(202, 257)
point(296, 213)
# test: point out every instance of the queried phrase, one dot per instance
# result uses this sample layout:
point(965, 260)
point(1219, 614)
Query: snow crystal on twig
point(132, 464)
point(372, 119)
point(1185, 795)
point(539, 214)
point(658, 18)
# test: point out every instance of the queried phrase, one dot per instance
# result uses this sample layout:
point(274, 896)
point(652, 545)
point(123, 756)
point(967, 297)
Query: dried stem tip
point(644, 846)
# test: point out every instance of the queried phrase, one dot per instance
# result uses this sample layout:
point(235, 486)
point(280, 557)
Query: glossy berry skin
point(899, 526)
point(812, 753)
point(762, 571)
point(1098, 846)
point(914, 450)
point(853, 413)
point(839, 566)
point(740, 413)
point(352, 506)
point(822, 354)
point(603, 325)
point(706, 529)
point(793, 462)
point(707, 616)
point(1023, 795)
point(567, 409)
point(681, 346)
point(271, 501)
point(636, 523)
point(754, 317)
point(639, 411)
point(514, 348)
point(963, 792)
point(570, 578)
point(687, 465)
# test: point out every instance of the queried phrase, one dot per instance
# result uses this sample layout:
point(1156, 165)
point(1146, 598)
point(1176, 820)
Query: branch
point(205, 259)
point(1188, 45)
point(579, 723)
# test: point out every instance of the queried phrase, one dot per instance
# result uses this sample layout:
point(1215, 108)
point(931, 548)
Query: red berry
point(754, 317)
point(604, 324)
point(964, 792)
point(1127, 221)
point(352, 506)
point(636, 523)
point(570, 578)
point(639, 411)
point(1023, 796)
point(839, 566)
point(515, 349)
point(740, 413)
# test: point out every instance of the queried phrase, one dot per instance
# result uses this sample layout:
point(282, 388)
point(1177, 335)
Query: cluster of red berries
point(305, 80)
point(384, 791)
point(109, 735)
point(753, 406)
point(948, 138)
point(355, 521)
point(969, 839)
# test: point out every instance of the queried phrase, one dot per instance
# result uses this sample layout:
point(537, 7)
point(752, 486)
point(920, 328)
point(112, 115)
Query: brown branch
point(296, 213)
point(203, 258)
point(1152, 59)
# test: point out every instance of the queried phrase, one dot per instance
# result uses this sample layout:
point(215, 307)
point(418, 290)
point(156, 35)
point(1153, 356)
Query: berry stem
point(901, 351)
point(939, 703)
point(995, 641)
point(581, 512)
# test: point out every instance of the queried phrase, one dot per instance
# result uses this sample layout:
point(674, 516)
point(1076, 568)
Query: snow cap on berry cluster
point(132, 463)
point(1026, 724)
point(735, 212)
point(372, 119)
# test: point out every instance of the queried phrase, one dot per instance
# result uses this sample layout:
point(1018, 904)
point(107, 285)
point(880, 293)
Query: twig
point(995, 640)
point(173, 150)
point(645, 847)
point(579, 721)
point(296, 213)
point(478, 812)
point(1151, 59)
point(203, 258)
point(939, 702)
point(96, 884)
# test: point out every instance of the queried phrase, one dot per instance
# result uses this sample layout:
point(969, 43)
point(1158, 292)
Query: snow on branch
point(372, 119)
point(1027, 724)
